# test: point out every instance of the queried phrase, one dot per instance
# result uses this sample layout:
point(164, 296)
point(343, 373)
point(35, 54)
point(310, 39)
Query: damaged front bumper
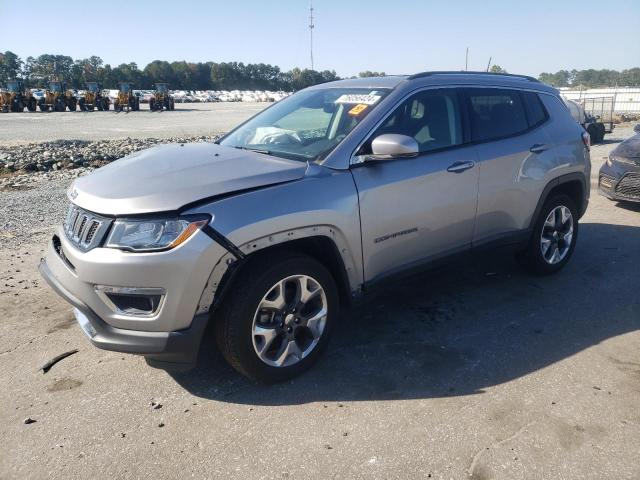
point(174, 350)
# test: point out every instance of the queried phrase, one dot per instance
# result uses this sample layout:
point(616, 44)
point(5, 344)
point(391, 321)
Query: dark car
point(620, 175)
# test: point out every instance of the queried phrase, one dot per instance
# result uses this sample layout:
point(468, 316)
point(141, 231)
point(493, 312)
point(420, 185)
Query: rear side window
point(535, 110)
point(495, 113)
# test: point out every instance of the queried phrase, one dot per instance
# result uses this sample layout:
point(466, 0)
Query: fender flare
point(230, 262)
point(569, 177)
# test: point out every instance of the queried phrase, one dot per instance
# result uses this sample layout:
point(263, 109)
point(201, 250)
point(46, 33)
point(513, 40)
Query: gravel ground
point(188, 119)
point(478, 371)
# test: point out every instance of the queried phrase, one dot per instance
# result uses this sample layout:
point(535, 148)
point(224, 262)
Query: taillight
point(586, 139)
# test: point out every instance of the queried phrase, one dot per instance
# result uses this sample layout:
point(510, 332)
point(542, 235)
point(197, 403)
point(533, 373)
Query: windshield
point(124, 87)
point(92, 87)
point(308, 125)
point(55, 87)
point(162, 88)
point(12, 86)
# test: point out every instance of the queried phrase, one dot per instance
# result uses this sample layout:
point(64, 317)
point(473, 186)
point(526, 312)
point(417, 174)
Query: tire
point(43, 107)
point(83, 105)
point(72, 106)
point(236, 318)
point(105, 105)
point(593, 133)
point(539, 261)
point(31, 106)
point(601, 132)
point(152, 104)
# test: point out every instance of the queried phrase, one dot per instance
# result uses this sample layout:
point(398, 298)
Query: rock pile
point(73, 154)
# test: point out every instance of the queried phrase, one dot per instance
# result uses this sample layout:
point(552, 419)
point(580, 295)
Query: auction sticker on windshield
point(358, 109)
point(358, 99)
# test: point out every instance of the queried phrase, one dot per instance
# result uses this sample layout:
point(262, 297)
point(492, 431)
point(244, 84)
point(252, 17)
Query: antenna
point(489, 64)
point(311, 26)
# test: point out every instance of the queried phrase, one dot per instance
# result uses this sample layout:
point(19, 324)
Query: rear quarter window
point(536, 114)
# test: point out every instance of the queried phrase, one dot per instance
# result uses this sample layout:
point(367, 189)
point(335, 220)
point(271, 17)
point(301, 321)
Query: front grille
point(84, 229)
point(629, 186)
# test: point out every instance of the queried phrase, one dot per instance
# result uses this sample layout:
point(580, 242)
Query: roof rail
point(465, 72)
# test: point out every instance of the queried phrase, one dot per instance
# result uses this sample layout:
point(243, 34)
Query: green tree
point(10, 67)
point(369, 73)
point(497, 69)
point(160, 71)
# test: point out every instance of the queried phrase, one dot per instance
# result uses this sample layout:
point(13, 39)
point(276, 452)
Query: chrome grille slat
point(629, 186)
point(84, 229)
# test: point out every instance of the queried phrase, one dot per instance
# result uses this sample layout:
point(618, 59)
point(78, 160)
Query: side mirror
point(393, 145)
point(637, 128)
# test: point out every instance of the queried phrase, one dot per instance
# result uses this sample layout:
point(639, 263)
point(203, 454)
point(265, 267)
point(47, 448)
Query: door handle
point(538, 148)
point(459, 167)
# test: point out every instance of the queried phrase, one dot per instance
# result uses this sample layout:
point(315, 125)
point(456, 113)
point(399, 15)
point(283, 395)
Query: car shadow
point(459, 330)
point(631, 206)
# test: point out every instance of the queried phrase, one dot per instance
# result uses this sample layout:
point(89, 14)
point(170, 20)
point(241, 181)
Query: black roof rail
point(465, 72)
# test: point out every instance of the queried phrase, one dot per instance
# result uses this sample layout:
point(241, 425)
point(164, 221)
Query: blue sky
point(350, 36)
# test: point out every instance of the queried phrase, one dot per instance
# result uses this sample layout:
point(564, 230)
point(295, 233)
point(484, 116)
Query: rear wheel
point(72, 105)
point(31, 106)
point(278, 317)
point(554, 236)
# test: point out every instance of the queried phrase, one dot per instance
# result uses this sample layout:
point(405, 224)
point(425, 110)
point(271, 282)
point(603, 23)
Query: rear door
point(514, 154)
point(415, 209)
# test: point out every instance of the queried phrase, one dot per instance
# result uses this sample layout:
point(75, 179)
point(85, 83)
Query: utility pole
point(466, 60)
point(489, 64)
point(311, 26)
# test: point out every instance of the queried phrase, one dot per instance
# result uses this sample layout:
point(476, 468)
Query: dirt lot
point(187, 119)
point(478, 371)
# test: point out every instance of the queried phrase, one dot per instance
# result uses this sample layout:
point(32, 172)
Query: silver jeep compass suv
point(264, 233)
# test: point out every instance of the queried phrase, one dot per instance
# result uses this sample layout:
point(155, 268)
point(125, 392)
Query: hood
point(630, 149)
point(167, 177)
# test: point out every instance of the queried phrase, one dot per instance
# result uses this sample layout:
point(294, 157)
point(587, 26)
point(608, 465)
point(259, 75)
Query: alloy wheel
point(557, 234)
point(289, 321)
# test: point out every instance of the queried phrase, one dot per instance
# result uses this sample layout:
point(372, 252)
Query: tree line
point(592, 78)
point(38, 71)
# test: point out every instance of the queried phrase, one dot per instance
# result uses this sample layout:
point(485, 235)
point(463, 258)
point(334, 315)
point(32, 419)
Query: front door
point(417, 209)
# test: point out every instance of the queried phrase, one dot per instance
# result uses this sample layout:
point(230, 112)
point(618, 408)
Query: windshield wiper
point(258, 150)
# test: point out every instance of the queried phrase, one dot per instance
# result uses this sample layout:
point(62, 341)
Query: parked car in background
point(619, 177)
point(343, 185)
point(591, 124)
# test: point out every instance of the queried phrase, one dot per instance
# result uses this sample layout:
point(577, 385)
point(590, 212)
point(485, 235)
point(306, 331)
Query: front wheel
point(554, 236)
point(278, 317)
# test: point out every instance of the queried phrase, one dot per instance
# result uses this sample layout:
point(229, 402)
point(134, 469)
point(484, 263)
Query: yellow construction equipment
point(16, 98)
point(93, 98)
point(58, 98)
point(126, 98)
point(161, 98)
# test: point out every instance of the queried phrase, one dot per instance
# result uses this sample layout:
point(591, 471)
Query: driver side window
point(431, 117)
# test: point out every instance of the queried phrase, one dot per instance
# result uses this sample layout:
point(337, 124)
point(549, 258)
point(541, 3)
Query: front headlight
point(615, 159)
point(150, 235)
